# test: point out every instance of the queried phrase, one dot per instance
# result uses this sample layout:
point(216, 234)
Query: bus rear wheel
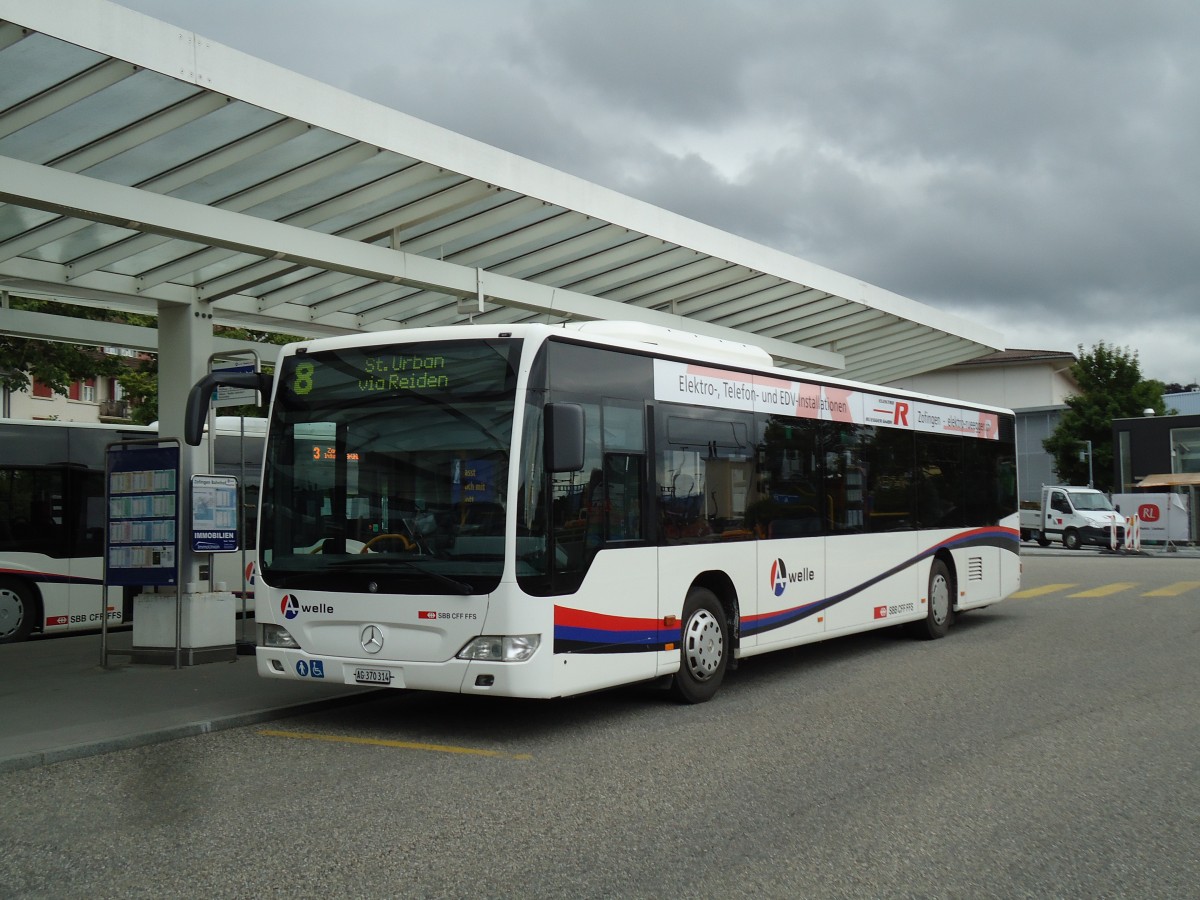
point(18, 610)
point(704, 651)
point(939, 611)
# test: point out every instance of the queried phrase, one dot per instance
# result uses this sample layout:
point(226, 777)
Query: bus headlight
point(501, 648)
point(278, 636)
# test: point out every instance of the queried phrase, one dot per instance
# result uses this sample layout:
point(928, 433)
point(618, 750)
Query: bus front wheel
point(939, 612)
point(18, 610)
point(704, 651)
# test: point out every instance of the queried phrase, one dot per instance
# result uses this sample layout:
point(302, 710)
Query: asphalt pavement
point(58, 702)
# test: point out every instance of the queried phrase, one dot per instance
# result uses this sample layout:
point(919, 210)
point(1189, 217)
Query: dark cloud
point(1031, 165)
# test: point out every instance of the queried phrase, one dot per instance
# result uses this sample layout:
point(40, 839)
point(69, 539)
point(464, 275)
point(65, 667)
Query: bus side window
point(616, 515)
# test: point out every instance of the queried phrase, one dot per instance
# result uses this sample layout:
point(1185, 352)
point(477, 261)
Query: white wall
point(1014, 385)
point(25, 406)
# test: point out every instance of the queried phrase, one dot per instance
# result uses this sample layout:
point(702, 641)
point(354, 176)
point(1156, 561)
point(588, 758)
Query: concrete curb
point(33, 760)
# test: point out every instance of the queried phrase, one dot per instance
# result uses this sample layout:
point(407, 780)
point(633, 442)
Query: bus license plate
point(372, 676)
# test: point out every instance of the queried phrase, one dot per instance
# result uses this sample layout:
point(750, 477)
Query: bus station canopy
point(144, 166)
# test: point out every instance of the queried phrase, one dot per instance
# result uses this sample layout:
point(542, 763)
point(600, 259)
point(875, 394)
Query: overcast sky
point(1032, 166)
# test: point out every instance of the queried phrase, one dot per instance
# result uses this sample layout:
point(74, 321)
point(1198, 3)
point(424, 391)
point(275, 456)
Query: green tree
point(59, 365)
point(50, 362)
point(1110, 387)
point(141, 385)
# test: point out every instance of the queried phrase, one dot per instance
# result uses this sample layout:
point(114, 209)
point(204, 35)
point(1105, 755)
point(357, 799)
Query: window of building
point(1185, 449)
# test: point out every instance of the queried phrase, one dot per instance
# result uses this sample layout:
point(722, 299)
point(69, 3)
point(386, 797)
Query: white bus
point(540, 511)
point(52, 520)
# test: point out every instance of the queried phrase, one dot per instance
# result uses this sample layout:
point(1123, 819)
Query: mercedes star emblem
point(372, 639)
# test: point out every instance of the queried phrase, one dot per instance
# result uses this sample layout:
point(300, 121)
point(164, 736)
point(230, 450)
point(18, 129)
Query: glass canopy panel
point(306, 148)
point(96, 116)
point(226, 266)
point(364, 297)
point(154, 257)
point(386, 293)
point(362, 175)
point(500, 256)
point(390, 205)
point(15, 220)
point(425, 234)
point(184, 144)
point(94, 236)
point(36, 64)
point(325, 288)
point(286, 278)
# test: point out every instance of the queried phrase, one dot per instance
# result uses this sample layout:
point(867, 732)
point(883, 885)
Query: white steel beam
point(10, 34)
point(108, 29)
point(459, 195)
point(208, 164)
point(93, 333)
point(311, 216)
point(68, 194)
point(186, 111)
point(339, 160)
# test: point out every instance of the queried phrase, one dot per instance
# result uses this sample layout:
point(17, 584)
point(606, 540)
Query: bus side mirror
point(200, 396)
point(563, 444)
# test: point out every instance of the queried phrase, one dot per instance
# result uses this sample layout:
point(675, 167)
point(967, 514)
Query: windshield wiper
point(460, 587)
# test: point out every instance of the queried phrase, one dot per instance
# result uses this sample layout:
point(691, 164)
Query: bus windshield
point(386, 468)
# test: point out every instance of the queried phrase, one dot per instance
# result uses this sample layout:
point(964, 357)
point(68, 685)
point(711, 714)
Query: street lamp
point(1088, 451)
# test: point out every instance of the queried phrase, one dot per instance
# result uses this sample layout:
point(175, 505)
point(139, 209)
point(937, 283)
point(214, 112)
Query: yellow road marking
point(1044, 589)
point(1105, 589)
point(401, 745)
point(1173, 590)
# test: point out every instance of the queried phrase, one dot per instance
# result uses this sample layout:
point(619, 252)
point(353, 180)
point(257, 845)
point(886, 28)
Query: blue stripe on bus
point(1004, 538)
point(48, 577)
point(578, 639)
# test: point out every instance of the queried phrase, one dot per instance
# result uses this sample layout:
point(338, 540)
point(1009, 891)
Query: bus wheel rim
point(704, 646)
point(939, 599)
point(11, 612)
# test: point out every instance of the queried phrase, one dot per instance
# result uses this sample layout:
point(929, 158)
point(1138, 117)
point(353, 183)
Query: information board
point(214, 514)
point(142, 485)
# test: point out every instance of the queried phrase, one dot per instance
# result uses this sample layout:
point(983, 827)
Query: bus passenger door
point(791, 585)
point(790, 515)
point(82, 529)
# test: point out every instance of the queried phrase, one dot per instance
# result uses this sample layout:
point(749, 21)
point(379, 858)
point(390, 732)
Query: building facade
point(86, 400)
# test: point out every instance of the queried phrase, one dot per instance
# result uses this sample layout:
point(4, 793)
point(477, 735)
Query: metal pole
point(241, 511)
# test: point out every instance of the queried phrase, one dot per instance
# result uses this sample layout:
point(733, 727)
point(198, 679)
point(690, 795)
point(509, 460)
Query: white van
point(1075, 516)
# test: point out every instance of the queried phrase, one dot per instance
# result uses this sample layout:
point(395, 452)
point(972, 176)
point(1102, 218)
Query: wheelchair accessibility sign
point(310, 668)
